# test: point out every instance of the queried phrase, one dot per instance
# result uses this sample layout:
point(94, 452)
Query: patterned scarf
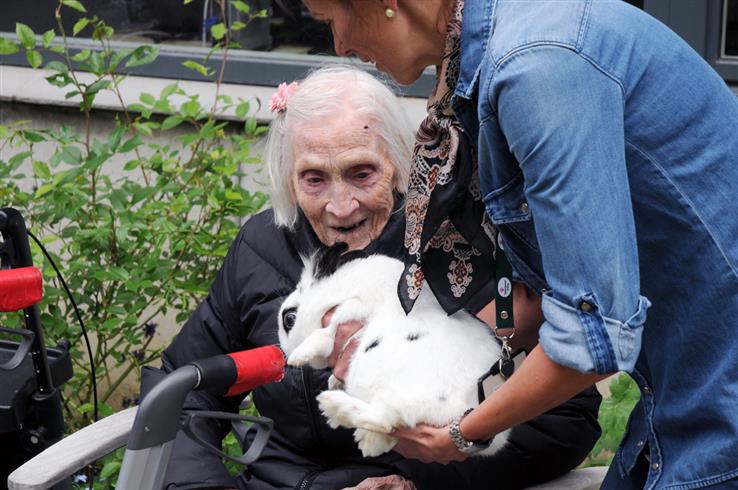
point(448, 238)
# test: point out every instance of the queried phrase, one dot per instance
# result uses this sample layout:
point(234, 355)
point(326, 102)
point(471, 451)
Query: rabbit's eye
point(289, 316)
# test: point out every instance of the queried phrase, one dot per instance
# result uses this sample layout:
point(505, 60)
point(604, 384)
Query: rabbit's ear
point(329, 259)
point(326, 260)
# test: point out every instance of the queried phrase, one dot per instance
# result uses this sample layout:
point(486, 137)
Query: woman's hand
point(392, 482)
point(344, 345)
point(428, 444)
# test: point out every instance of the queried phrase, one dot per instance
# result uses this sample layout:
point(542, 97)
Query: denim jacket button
point(586, 307)
point(655, 466)
point(646, 390)
point(524, 207)
point(641, 443)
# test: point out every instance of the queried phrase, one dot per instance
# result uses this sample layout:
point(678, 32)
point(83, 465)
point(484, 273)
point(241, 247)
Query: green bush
point(614, 413)
point(134, 242)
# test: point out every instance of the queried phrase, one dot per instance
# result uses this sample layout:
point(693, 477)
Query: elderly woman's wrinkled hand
point(344, 345)
point(392, 482)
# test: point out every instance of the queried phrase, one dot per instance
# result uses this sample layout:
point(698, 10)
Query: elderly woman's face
point(343, 179)
point(361, 28)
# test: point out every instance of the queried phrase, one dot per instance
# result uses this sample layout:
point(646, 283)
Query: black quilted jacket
point(262, 267)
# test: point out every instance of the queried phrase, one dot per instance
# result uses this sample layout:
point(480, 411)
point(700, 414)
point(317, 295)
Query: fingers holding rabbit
point(427, 443)
point(344, 345)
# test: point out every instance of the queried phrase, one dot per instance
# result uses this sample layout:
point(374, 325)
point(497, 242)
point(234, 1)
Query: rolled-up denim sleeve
point(563, 119)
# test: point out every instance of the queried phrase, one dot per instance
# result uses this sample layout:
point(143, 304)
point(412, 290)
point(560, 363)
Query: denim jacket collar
point(476, 31)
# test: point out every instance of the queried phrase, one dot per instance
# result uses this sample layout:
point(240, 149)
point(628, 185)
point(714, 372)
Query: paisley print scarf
point(448, 238)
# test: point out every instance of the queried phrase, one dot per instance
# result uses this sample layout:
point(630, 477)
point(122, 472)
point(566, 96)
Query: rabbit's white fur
point(419, 368)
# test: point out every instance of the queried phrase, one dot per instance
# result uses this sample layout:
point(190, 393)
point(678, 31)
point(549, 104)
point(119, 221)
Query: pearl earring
point(389, 13)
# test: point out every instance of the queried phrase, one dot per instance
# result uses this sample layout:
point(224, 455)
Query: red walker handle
point(256, 367)
point(20, 288)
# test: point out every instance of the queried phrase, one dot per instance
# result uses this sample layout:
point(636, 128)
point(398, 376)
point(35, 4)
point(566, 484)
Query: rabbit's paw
point(302, 356)
point(351, 310)
point(373, 443)
point(342, 410)
point(314, 350)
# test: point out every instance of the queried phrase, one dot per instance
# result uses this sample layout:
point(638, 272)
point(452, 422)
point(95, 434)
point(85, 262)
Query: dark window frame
point(244, 67)
point(701, 24)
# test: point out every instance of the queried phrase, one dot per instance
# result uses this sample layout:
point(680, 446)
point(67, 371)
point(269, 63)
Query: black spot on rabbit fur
point(372, 345)
point(414, 336)
point(329, 259)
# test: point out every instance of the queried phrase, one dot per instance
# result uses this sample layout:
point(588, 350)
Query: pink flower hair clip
point(278, 102)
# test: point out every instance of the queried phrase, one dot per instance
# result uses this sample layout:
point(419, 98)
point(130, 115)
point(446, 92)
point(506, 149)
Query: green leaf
point(58, 48)
point(261, 14)
point(169, 90)
point(96, 63)
point(147, 98)
point(171, 122)
point(41, 170)
point(82, 55)
point(218, 31)
point(250, 125)
point(18, 158)
point(242, 110)
point(115, 137)
point(33, 136)
point(106, 411)
point(98, 86)
point(25, 35)
point(118, 56)
point(85, 407)
point(34, 58)
point(237, 25)
point(59, 80)
point(143, 128)
point(43, 190)
point(233, 195)
point(202, 70)
point(191, 108)
point(8, 47)
point(241, 6)
point(75, 4)
point(143, 55)
point(110, 468)
point(79, 25)
point(71, 155)
point(47, 37)
point(102, 31)
point(130, 144)
point(57, 66)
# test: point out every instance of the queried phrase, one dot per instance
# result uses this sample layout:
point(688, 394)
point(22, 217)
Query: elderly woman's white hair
point(327, 92)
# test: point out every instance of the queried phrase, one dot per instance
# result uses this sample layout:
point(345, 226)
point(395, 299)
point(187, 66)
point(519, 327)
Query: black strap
point(503, 291)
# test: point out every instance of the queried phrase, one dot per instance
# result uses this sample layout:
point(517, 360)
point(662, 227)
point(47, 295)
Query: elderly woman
point(608, 131)
point(338, 154)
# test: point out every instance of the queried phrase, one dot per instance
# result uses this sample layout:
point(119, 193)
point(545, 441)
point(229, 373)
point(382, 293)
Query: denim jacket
point(608, 158)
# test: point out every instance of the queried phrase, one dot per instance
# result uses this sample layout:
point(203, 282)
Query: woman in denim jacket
point(600, 152)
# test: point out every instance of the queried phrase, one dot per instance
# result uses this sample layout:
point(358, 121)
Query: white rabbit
point(419, 368)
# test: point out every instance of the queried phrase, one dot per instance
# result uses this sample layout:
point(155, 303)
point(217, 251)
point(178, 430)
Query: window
point(282, 46)
point(730, 29)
